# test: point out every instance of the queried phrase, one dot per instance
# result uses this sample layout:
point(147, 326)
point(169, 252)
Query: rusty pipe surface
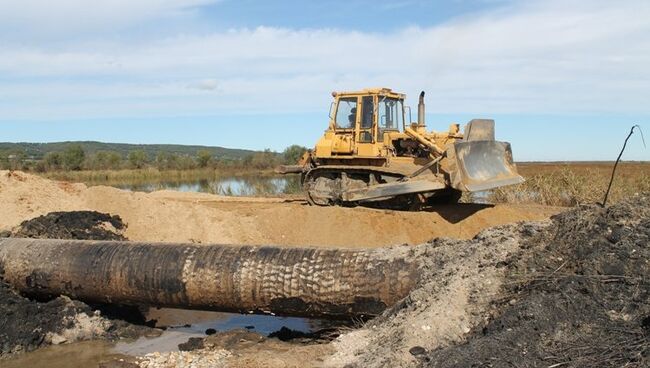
point(285, 281)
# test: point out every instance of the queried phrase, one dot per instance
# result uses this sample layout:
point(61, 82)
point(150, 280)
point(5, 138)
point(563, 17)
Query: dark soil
point(194, 343)
point(86, 225)
point(578, 297)
point(25, 323)
point(320, 336)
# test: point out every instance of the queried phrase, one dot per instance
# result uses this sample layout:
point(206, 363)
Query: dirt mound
point(86, 225)
point(581, 296)
point(204, 218)
point(573, 291)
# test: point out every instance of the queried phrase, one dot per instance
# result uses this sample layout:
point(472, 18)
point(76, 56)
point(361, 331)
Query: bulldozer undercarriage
point(370, 187)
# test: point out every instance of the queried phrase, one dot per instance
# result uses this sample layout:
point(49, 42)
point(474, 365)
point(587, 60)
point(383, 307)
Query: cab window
point(346, 113)
point(368, 110)
point(391, 114)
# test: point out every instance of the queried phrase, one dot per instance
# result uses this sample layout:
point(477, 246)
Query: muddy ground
point(26, 325)
point(570, 291)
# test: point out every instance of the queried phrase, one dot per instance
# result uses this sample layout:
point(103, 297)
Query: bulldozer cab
point(360, 120)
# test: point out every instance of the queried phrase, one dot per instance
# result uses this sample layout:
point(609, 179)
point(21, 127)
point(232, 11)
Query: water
point(80, 354)
point(180, 325)
point(250, 186)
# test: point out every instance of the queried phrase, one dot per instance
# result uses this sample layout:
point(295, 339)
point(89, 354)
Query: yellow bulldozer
point(370, 155)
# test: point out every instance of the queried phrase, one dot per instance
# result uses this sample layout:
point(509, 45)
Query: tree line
point(74, 158)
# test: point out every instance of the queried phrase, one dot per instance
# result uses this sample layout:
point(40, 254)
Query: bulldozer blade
point(482, 165)
point(392, 189)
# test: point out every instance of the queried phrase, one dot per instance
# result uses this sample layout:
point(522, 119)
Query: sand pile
point(573, 291)
point(205, 218)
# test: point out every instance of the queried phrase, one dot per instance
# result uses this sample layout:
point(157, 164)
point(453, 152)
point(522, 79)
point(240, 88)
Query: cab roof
point(371, 91)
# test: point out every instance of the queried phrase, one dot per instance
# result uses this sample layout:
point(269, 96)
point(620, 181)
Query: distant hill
point(38, 150)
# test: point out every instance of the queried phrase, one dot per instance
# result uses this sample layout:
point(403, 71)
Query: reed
point(573, 184)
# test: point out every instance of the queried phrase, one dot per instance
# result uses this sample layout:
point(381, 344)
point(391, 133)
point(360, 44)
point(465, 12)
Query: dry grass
point(570, 184)
point(554, 184)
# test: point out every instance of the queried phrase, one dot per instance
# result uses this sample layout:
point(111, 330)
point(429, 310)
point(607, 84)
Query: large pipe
point(284, 281)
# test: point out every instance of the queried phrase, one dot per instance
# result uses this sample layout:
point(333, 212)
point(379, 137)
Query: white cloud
point(539, 57)
point(206, 85)
point(66, 17)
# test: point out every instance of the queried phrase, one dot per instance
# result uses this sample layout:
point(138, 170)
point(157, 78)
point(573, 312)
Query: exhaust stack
point(421, 109)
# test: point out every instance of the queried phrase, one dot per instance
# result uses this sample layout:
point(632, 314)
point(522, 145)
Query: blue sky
point(564, 80)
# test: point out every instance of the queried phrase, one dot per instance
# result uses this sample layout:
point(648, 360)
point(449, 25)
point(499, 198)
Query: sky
point(563, 79)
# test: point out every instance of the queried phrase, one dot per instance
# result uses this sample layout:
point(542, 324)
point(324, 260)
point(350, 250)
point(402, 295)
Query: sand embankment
point(204, 218)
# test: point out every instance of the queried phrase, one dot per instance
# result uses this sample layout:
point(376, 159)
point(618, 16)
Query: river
point(247, 185)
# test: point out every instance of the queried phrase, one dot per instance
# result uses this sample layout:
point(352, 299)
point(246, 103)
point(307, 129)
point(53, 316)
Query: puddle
point(182, 324)
point(81, 354)
point(179, 326)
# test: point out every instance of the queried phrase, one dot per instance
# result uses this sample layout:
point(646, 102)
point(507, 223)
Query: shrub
point(292, 154)
point(137, 159)
point(53, 161)
point(73, 157)
point(203, 158)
